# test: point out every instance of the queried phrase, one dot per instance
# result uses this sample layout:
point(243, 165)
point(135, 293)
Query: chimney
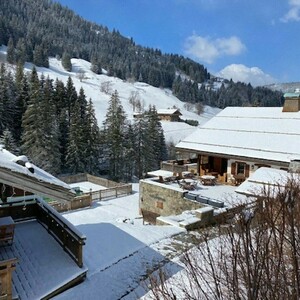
point(292, 101)
point(294, 166)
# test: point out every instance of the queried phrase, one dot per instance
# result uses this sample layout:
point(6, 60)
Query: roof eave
point(237, 157)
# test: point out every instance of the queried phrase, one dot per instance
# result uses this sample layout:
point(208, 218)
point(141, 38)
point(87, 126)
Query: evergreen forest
point(34, 30)
point(56, 127)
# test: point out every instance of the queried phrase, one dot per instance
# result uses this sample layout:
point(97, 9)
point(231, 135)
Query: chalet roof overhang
point(35, 186)
point(236, 157)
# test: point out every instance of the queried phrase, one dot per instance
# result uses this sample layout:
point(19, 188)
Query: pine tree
point(38, 56)
point(21, 100)
point(142, 146)
point(8, 141)
point(155, 135)
point(71, 97)
point(81, 99)
point(129, 153)
point(11, 55)
point(60, 99)
point(66, 62)
point(32, 135)
point(92, 141)
point(21, 51)
point(49, 157)
point(75, 158)
point(5, 104)
point(114, 125)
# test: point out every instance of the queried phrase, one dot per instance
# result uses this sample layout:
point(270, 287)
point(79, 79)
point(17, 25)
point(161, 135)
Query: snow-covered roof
point(264, 180)
point(9, 161)
point(170, 111)
point(252, 132)
point(160, 172)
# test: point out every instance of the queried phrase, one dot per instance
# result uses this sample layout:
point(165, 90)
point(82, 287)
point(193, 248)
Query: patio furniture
point(239, 178)
point(7, 229)
point(208, 179)
point(187, 184)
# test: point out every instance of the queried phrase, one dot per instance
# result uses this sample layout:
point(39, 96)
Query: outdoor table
point(208, 179)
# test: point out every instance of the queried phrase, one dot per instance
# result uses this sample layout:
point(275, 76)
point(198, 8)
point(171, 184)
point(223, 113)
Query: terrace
point(40, 236)
point(166, 194)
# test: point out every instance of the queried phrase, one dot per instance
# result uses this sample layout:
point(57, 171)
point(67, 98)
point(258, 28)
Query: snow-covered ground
point(149, 95)
point(119, 249)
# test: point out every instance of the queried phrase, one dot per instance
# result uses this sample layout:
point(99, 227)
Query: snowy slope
point(161, 98)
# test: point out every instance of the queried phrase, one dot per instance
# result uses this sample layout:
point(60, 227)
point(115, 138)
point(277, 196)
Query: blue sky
point(247, 40)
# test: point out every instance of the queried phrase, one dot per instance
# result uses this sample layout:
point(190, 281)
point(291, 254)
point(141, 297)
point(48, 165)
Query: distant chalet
point(171, 115)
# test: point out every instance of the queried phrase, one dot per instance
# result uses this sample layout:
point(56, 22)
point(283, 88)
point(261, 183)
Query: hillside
point(161, 98)
point(37, 30)
point(284, 87)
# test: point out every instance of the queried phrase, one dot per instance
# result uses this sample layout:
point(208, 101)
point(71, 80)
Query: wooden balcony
point(46, 246)
point(71, 240)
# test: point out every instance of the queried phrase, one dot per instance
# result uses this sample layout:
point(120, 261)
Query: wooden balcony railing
point(62, 230)
point(65, 233)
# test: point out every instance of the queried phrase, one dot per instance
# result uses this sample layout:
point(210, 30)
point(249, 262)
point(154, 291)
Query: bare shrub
point(256, 257)
point(106, 87)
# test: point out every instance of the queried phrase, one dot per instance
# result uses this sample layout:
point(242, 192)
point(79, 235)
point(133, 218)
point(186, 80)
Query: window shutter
point(233, 168)
point(247, 170)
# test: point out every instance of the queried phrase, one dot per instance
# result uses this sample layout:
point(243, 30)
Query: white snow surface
point(119, 248)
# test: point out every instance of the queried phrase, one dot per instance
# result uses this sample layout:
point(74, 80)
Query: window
point(240, 168)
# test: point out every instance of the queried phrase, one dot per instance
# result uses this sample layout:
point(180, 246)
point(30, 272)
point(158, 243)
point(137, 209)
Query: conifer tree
point(66, 62)
point(49, 157)
point(5, 108)
point(129, 153)
point(32, 135)
point(75, 158)
point(142, 146)
point(21, 51)
point(62, 114)
point(8, 141)
point(155, 136)
point(11, 55)
point(114, 125)
point(38, 56)
point(71, 97)
point(92, 141)
point(21, 100)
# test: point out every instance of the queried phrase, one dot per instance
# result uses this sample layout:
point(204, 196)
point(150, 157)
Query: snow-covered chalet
point(239, 140)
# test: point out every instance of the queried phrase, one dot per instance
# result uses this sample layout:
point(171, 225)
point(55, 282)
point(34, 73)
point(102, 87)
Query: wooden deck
point(43, 268)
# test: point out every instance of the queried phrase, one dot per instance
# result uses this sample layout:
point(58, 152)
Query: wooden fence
point(112, 189)
point(113, 192)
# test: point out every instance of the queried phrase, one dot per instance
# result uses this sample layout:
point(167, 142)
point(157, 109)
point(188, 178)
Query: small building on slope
point(172, 115)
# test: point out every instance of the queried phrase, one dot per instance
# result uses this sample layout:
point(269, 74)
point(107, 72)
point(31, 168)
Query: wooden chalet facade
point(239, 140)
point(171, 115)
